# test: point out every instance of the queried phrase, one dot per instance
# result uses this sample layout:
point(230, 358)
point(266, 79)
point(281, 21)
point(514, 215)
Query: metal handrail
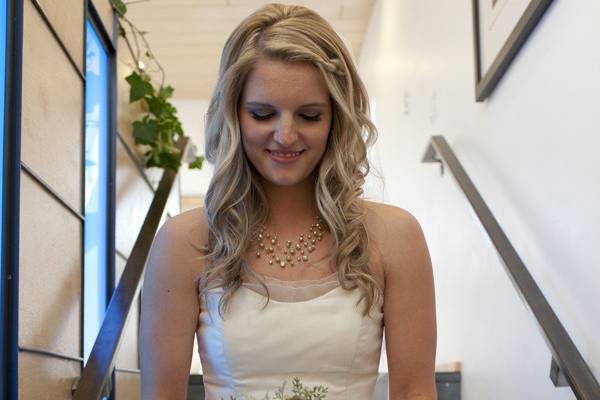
point(567, 361)
point(102, 358)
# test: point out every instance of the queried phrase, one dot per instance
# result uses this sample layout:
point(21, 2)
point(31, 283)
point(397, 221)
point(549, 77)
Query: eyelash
point(264, 117)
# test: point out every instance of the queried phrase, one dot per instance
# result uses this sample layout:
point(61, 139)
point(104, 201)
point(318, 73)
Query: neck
point(291, 208)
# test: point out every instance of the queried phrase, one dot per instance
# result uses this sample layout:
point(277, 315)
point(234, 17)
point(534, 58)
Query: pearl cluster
point(290, 252)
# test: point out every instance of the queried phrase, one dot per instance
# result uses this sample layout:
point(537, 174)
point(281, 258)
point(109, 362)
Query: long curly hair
point(235, 201)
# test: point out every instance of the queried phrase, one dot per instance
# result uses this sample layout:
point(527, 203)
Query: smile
point(284, 156)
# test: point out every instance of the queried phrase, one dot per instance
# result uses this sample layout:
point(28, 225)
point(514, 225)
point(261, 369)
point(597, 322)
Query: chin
point(287, 179)
point(282, 181)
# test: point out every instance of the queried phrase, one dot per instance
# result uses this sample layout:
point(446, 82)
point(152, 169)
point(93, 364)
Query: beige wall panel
point(133, 201)
point(52, 125)
point(106, 14)
point(50, 259)
point(66, 17)
point(128, 386)
point(128, 351)
point(46, 378)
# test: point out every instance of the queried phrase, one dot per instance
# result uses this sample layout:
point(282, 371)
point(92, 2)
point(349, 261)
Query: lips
point(285, 154)
point(284, 157)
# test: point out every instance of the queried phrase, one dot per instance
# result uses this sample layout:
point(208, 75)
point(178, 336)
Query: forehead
point(282, 82)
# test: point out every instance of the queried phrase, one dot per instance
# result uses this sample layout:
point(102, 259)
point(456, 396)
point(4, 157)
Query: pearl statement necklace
point(291, 252)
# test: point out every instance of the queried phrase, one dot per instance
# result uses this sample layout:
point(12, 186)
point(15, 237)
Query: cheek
point(253, 143)
point(320, 135)
point(252, 134)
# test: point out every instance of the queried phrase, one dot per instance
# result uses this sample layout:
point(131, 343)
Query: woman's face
point(285, 117)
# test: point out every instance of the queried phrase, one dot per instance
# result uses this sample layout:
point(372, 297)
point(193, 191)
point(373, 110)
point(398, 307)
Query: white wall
point(531, 149)
point(192, 114)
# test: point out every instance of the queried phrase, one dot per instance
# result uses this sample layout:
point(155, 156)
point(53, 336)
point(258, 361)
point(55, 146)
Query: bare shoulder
point(190, 225)
point(181, 239)
point(396, 236)
point(385, 218)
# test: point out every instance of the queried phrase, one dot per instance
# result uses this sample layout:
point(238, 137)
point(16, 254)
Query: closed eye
point(313, 117)
point(266, 115)
point(260, 117)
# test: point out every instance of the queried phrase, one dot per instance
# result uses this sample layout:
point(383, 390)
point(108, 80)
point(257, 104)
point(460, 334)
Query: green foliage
point(197, 163)
point(119, 7)
point(166, 91)
point(145, 131)
point(159, 128)
point(140, 86)
point(300, 392)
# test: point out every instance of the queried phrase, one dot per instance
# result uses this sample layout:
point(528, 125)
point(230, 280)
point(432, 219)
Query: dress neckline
point(296, 281)
point(289, 281)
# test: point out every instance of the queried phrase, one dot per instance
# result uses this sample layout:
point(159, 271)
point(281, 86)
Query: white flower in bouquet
point(300, 392)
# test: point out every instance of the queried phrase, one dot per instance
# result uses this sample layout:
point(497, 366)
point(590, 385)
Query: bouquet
point(300, 392)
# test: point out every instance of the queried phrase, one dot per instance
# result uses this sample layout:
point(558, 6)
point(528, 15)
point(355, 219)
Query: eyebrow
point(259, 104)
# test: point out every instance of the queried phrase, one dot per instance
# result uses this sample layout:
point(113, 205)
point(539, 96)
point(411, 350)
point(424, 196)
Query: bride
point(286, 272)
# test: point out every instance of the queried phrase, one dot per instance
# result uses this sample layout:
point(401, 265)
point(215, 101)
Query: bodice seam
point(356, 348)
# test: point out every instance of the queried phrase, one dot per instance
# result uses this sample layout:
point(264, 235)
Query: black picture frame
point(485, 83)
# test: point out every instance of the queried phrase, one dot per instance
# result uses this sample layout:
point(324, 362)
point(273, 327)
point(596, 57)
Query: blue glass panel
point(96, 188)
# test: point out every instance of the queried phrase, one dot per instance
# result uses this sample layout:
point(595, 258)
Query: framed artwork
point(500, 28)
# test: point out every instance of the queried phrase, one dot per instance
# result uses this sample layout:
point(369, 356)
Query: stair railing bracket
point(556, 374)
point(431, 156)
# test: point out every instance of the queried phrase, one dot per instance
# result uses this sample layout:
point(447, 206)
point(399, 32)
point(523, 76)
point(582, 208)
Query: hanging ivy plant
point(159, 128)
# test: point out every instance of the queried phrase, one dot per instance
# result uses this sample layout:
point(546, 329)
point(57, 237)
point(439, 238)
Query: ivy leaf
point(197, 163)
point(153, 159)
point(140, 86)
point(167, 142)
point(145, 131)
point(166, 91)
point(178, 128)
point(171, 160)
point(167, 131)
point(119, 7)
point(157, 106)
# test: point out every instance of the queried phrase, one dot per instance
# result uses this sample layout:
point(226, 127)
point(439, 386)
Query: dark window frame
point(10, 207)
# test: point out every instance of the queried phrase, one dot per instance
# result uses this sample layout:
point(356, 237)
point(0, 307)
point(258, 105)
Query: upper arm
point(170, 310)
point(409, 308)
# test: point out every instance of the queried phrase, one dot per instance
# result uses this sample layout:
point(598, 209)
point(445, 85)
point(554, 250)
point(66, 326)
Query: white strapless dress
point(310, 329)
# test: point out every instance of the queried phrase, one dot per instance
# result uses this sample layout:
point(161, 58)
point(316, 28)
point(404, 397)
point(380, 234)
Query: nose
point(285, 132)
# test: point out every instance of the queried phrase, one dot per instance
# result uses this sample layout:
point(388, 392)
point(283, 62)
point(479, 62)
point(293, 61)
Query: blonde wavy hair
point(235, 201)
